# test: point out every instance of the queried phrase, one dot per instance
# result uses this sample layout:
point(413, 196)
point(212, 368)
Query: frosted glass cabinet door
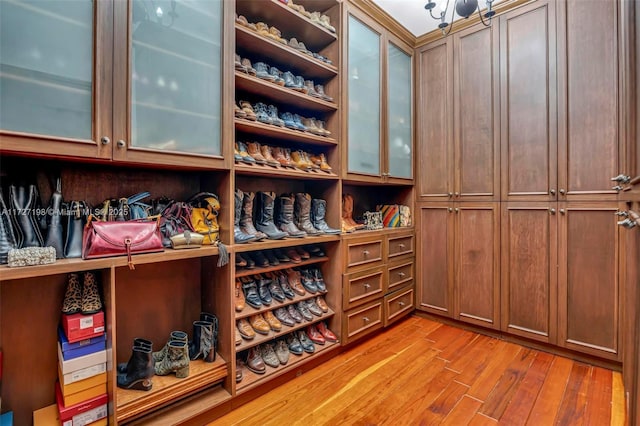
point(399, 113)
point(175, 75)
point(364, 99)
point(46, 67)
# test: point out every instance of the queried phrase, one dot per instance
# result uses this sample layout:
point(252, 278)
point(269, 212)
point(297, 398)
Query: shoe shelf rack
point(287, 242)
point(266, 170)
point(282, 94)
point(249, 311)
point(271, 335)
point(251, 380)
point(65, 266)
point(254, 43)
point(282, 133)
point(261, 270)
point(132, 403)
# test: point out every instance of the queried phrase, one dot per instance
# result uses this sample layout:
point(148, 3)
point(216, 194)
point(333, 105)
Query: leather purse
point(9, 239)
point(24, 202)
point(106, 239)
point(54, 237)
point(204, 216)
point(175, 219)
point(186, 240)
point(76, 219)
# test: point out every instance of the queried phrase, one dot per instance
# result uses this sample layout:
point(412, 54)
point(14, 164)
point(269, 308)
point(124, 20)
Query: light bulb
point(159, 12)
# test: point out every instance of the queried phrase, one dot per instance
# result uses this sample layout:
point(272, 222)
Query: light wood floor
point(424, 372)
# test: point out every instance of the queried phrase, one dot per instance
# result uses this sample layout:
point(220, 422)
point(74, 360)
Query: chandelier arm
point(482, 19)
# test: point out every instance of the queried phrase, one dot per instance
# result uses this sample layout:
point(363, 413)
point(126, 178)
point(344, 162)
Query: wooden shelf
point(190, 408)
point(250, 379)
point(264, 170)
point(249, 311)
point(282, 94)
point(285, 242)
point(167, 389)
point(262, 338)
point(263, 47)
point(243, 272)
point(288, 21)
point(64, 266)
point(282, 133)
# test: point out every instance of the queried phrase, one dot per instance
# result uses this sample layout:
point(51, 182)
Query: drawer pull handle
point(365, 319)
point(401, 303)
point(401, 245)
point(367, 286)
point(402, 274)
point(365, 252)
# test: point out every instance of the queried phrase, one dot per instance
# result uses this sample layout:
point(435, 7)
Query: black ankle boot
point(202, 344)
point(138, 342)
point(239, 236)
point(264, 219)
point(139, 370)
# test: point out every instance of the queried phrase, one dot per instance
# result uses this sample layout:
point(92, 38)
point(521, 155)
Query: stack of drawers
point(378, 285)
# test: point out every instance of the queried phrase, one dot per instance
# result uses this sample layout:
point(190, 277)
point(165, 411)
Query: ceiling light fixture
point(464, 8)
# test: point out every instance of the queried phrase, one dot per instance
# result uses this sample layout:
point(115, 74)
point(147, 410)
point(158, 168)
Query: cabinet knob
point(450, 209)
point(552, 191)
point(365, 319)
point(456, 194)
point(401, 274)
point(105, 140)
point(621, 178)
point(627, 223)
point(456, 210)
point(401, 303)
point(552, 211)
point(367, 286)
point(562, 191)
point(617, 188)
point(562, 211)
point(365, 252)
point(401, 245)
point(450, 194)
point(121, 143)
point(622, 214)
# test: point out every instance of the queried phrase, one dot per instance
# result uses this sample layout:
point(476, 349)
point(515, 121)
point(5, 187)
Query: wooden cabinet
point(378, 291)
point(459, 80)
point(379, 96)
point(589, 288)
point(529, 270)
point(134, 85)
point(459, 248)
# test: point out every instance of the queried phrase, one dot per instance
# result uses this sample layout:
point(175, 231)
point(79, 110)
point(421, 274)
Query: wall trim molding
point(386, 20)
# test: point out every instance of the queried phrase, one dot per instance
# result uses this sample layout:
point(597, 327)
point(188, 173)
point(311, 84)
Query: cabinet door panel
point(476, 112)
point(399, 113)
point(528, 123)
point(529, 273)
point(435, 257)
point(53, 96)
point(588, 66)
point(477, 286)
point(435, 151)
point(588, 281)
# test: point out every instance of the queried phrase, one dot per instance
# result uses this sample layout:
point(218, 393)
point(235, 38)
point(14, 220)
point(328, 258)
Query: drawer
point(400, 274)
point(399, 246)
point(397, 305)
point(362, 286)
point(362, 321)
point(364, 252)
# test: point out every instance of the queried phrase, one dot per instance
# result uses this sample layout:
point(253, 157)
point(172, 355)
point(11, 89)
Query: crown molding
point(386, 20)
point(462, 24)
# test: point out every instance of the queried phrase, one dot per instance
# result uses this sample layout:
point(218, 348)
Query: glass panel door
point(175, 75)
point(46, 67)
point(364, 99)
point(399, 113)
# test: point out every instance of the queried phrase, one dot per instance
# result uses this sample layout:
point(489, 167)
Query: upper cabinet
point(380, 104)
point(131, 81)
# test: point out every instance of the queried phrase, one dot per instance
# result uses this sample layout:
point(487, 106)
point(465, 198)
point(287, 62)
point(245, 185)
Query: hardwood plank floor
point(423, 372)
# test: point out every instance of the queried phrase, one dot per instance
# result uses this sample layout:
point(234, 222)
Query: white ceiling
point(413, 16)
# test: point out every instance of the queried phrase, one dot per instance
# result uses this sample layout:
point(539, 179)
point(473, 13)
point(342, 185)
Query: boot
point(175, 336)
point(138, 342)
point(139, 370)
point(318, 212)
point(300, 161)
point(203, 342)
point(254, 151)
point(239, 236)
point(72, 296)
point(268, 156)
point(303, 214)
point(246, 219)
point(264, 221)
point(206, 316)
point(176, 360)
point(285, 217)
point(279, 156)
point(91, 302)
point(347, 213)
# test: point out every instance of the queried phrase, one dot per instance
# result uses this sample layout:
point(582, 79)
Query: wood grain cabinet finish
point(398, 305)
point(528, 103)
point(588, 279)
point(399, 246)
point(362, 321)
point(363, 286)
point(400, 274)
point(367, 252)
point(528, 270)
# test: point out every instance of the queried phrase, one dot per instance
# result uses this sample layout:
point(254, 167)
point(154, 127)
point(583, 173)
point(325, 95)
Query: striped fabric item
point(390, 215)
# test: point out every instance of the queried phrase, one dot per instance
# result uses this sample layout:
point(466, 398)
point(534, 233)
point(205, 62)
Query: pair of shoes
point(316, 127)
point(247, 109)
point(322, 20)
point(312, 280)
point(347, 214)
point(262, 154)
point(269, 73)
point(243, 260)
point(270, 32)
point(293, 121)
point(85, 299)
point(241, 20)
point(320, 334)
point(244, 65)
point(298, 45)
point(268, 354)
point(298, 342)
point(138, 371)
point(310, 215)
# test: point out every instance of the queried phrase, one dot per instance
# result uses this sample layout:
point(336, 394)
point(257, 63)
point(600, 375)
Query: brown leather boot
point(303, 214)
point(300, 161)
point(254, 151)
point(284, 217)
point(321, 162)
point(278, 154)
point(349, 217)
point(266, 153)
point(347, 210)
point(246, 218)
point(314, 167)
point(239, 297)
